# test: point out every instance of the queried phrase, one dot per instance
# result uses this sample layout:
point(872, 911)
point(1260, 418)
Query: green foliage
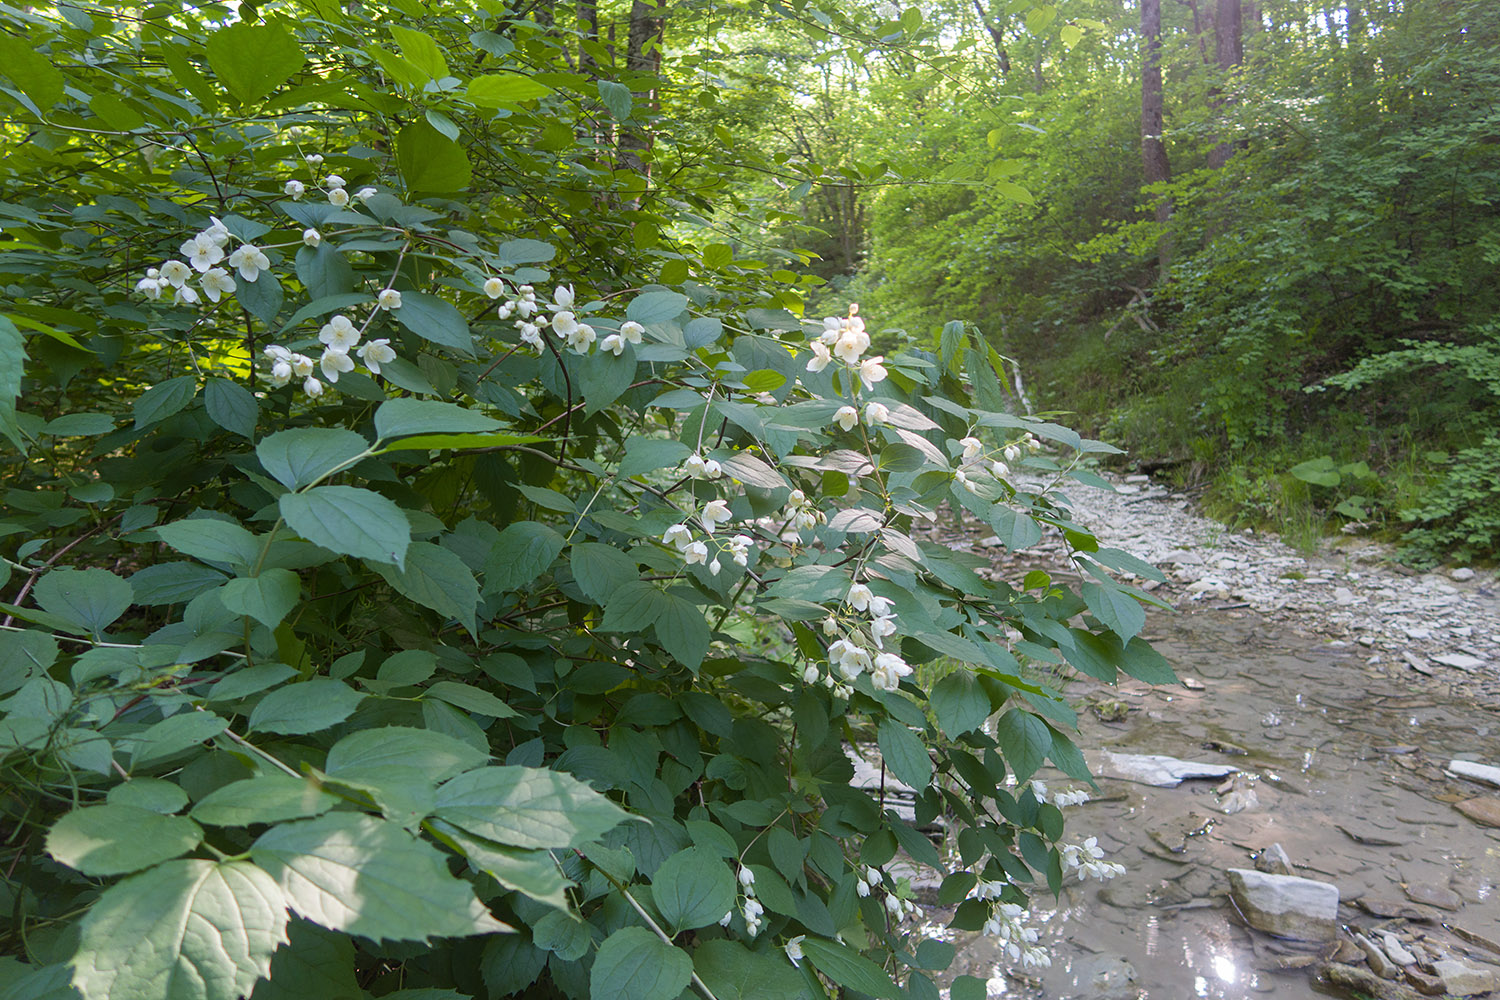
point(474, 658)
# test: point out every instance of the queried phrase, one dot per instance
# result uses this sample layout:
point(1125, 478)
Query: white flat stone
point(1460, 661)
point(1158, 769)
point(1286, 905)
point(1474, 771)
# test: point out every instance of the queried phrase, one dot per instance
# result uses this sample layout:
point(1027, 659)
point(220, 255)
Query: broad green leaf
point(430, 162)
point(402, 417)
point(315, 964)
point(436, 578)
point(438, 321)
point(23, 654)
point(470, 699)
point(458, 442)
point(959, 703)
point(1024, 741)
point(635, 964)
point(268, 598)
point(904, 754)
point(149, 793)
point(511, 962)
point(212, 541)
point(693, 888)
point(251, 60)
point(304, 455)
point(30, 982)
point(1144, 663)
point(600, 569)
point(525, 251)
point(647, 454)
point(656, 307)
point(734, 972)
point(849, 968)
point(31, 71)
point(173, 582)
point(324, 272)
point(184, 930)
point(1123, 561)
point(493, 90)
point(308, 707)
point(164, 399)
point(268, 798)
point(634, 607)
point(351, 521)
point(79, 424)
point(601, 378)
point(563, 934)
point(250, 680)
point(617, 98)
point(527, 807)
point(421, 51)
point(262, 298)
point(116, 839)
point(531, 873)
point(1122, 613)
point(522, 553)
point(12, 361)
point(1015, 530)
point(174, 735)
point(1318, 471)
point(354, 873)
point(369, 751)
point(683, 631)
point(409, 666)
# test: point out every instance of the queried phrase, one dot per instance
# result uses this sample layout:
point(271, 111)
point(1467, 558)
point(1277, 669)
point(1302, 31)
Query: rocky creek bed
point(1341, 687)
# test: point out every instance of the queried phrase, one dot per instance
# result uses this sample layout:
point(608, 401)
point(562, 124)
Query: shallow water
point(1348, 766)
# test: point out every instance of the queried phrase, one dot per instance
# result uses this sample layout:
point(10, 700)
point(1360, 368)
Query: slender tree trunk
point(1158, 169)
point(642, 57)
point(996, 35)
point(1229, 49)
point(588, 17)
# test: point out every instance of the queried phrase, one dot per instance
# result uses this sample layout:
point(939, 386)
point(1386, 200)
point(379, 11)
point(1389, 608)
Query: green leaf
point(600, 569)
point(436, 578)
point(1144, 663)
point(421, 51)
point(308, 707)
point(231, 406)
point(23, 654)
point(493, 90)
point(617, 98)
point(149, 793)
point(354, 873)
point(185, 930)
point(350, 521)
point(403, 417)
point(429, 161)
point(439, 321)
point(734, 972)
point(656, 307)
point(212, 541)
point(251, 60)
point(1318, 471)
point(173, 582)
point(268, 598)
point(117, 839)
point(1024, 740)
point(470, 699)
point(304, 455)
point(522, 553)
point(693, 888)
point(457, 442)
point(79, 424)
point(12, 354)
point(527, 807)
point(250, 680)
point(174, 735)
point(1015, 530)
point(683, 632)
point(849, 968)
point(164, 399)
point(89, 598)
point(634, 607)
point(960, 704)
point(267, 798)
point(369, 751)
point(563, 934)
point(324, 272)
point(531, 873)
point(601, 378)
point(904, 754)
point(262, 298)
point(31, 71)
point(314, 965)
point(634, 964)
point(647, 454)
point(1115, 608)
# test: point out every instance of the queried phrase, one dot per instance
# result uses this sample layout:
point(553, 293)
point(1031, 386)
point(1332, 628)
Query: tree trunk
point(588, 17)
point(1158, 169)
point(997, 36)
point(1229, 49)
point(647, 24)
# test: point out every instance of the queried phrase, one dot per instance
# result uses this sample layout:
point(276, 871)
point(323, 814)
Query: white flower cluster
point(531, 319)
point(696, 553)
point(1075, 797)
point(976, 460)
point(849, 655)
point(1007, 921)
point(1088, 857)
point(204, 251)
point(845, 338)
point(334, 186)
point(750, 909)
point(339, 336)
point(801, 515)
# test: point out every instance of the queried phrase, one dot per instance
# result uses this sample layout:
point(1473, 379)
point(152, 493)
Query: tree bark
point(997, 36)
point(1154, 160)
point(588, 16)
point(647, 25)
point(1229, 51)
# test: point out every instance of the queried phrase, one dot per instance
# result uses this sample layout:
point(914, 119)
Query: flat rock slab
point(1433, 895)
point(1459, 661)
point(1156, 769)
point(1475, 771)
point(1365, 834)
point(1484, 809)
point(1286, 905)
point(1462, 980)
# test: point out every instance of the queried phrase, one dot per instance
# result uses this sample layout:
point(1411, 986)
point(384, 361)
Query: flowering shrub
point(528, 653)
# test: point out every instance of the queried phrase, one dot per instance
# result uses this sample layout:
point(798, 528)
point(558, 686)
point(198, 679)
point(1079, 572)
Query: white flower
point(972, 446)
point(531, 334)
point(888, 671)
point(714, 513)
point(679, 535)
point(312, 387)
point(217, 231)
point(1012, 452)
point(726, 918)
point(714, 566)
point(830, 626)
point(695, 466)
point(821, 357)
point(752, 911)
point(810, 674)
point(388, 299)
point(339, 333)
point(281, 374)
point(313, 159)
point(250, 261)
point(375, 353)
point(1039, 790)
point(794, 949)
point(186, 295)
point(311, 237)
point(632, 331)
point(364, 194)
point(880, 607)
point(876, 413)
point(295, 189)
point(859, 597)
point(862, 889)
point(874, 876)
point(694, 552)
point(564, 324)
point(850, 345)
point(506, 310)
point(202, 252)
point(525, 307)
point(494, 288)
point(302, 365)
point(999, 470)
point(175, 272)
point(849, 658)
point(338, 197)
point(832, 327)
point(581, 337)
point(846, 417)
point(871, 370)
point(739, 549)
point(333, 181)
point(747, 879)
point(880, 628)
point(276, 353)
point(150, 287)
point(563, 297)
point(614, 344)
point(333, 362)
point(216, 283)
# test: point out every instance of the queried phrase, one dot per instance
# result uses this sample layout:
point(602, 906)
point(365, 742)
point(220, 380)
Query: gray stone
point(1107, 977)
point(1475, 772)
point(1286, 905)
point(1158, 770)
point(1274, 861)
point(1395, 949)
point(1462, 980)
point(1461, 574)
point(1433, 895)
point(1376, 959)
point(1343, 596)
point(1459, 661)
